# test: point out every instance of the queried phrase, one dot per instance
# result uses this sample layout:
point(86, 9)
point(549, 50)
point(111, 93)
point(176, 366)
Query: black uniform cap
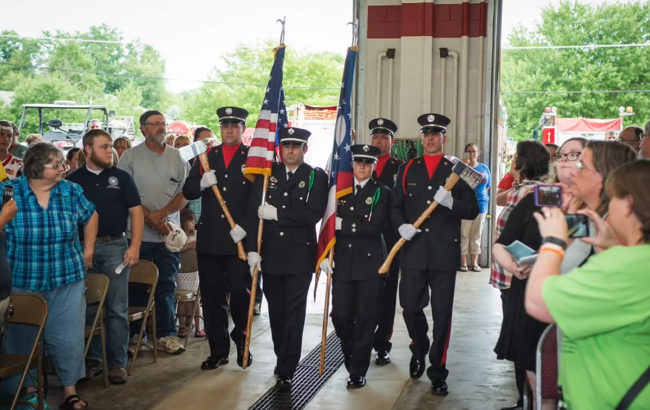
point(232, 114)
point(383, 125)
point(365, 153)
point(294, 134)
point(432, 122)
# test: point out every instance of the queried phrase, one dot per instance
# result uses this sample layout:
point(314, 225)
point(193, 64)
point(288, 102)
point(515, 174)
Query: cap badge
point(380, 122)
point(431, 118)
point(290, 131)
point(228, 110)
point(366, 148)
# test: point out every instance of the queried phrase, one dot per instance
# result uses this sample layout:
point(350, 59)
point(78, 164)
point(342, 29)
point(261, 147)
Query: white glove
point(337, 223)
point(268, 212)
point(326, 267)
point(237, 233)
point(407, 231)
point(208, 179)
point(443, 197)
point(254, 261)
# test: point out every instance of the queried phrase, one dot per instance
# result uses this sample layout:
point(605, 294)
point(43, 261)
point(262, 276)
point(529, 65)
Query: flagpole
point(260, 231)
point(323, 342)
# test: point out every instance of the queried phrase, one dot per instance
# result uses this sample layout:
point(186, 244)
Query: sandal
point(199, 333)
point(71, 400)
point(476, 268)
point(463, 268)
point(182, 332)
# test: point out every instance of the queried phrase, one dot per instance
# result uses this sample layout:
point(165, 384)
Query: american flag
point(273, 117)
point(340, 163)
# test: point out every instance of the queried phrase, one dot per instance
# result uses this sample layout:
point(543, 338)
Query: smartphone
point(548, 195)
point(578, 225)
point(7, 194)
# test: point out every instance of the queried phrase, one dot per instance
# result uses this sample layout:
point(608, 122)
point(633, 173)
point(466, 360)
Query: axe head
point(190, 151)
point(467, 174)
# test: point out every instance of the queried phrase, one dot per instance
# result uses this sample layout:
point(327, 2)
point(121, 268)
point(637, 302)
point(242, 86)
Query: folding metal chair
point(146, 273)
point(28, 309)
point(96, 290)
point(546, 367)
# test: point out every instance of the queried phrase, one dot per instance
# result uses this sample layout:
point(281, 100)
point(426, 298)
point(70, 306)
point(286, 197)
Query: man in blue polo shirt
point(116, 197)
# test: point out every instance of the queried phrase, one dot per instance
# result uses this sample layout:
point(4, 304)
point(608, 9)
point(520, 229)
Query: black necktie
point(358, 188)
point(289, 175)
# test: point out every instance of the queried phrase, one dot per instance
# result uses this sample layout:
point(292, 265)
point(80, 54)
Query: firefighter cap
point(232, 114)
point(432, 122)
point(293, 135)
point(365, 153)
point(382, 125)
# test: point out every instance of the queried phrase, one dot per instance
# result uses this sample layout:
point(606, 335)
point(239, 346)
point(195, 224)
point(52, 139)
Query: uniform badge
point(301, 184)
point(368, 201)
point(273, 179)
point(290, 131)
point(366, 148)
point(243, 167)
point(228, 110)
point(380, 122)
point(431, 118)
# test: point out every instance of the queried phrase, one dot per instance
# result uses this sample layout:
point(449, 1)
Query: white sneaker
point(170, 345)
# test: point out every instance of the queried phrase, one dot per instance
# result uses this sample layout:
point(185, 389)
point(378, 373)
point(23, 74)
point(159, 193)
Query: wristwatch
point(554, 240)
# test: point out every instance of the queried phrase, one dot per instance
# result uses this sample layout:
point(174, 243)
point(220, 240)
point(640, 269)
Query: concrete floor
point(476, 381)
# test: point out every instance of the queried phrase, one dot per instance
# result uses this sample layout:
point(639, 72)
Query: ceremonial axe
point(458, 172)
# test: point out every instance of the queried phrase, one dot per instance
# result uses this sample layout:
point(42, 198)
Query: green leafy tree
point(560, 72)
point(308, 78)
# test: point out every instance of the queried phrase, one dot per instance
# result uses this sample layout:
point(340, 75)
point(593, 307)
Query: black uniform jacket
point(389, 177)
point(360, 249)
point(213, 231)
point(289, 244)
point(437, 246)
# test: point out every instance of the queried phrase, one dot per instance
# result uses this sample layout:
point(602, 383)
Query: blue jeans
point(63, 335)
point(167, 263)
point(108, 255)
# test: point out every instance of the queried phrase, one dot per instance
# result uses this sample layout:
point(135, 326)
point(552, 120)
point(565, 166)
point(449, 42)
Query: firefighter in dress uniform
point(295, 201)
point(382, 131)
point(361, 217)
point(431, 255)
point(221, 272)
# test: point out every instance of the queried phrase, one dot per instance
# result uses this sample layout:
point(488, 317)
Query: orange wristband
point(555, 251)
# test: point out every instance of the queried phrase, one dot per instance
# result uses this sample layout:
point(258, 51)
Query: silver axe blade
point(468, 174)
point(195, 149)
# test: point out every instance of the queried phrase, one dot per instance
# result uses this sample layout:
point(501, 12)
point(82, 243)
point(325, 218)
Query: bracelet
point(555, 251)
point(555, 240)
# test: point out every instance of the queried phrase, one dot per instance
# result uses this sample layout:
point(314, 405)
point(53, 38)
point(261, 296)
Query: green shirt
point(603, 309)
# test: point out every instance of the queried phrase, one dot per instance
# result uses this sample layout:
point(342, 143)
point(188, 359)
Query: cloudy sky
point(192, 35)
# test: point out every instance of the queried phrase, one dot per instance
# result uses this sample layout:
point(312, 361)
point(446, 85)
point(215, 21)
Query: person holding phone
point(471, 229)
point(602, 307)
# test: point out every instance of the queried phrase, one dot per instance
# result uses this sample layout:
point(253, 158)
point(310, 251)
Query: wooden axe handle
point(383, 269)
point(215, 189)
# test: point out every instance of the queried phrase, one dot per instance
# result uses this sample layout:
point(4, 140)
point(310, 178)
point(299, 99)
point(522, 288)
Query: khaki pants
point(470, 235)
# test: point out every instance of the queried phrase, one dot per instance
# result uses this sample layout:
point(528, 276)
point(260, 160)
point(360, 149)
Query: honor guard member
point(361, 217)
point(221, 272)
point(295, 201)
point(431, 255)
point(382, 131)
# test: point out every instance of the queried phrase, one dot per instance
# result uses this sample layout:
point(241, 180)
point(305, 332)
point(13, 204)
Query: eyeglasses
point(471, 152)
point(59, 165)
point(155, 124)
point(569, 156)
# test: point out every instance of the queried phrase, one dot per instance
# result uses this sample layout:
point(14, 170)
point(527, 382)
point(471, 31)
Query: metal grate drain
point(306, 381)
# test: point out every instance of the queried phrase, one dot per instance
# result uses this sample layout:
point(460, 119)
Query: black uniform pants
point(218, 276)
point(386, 317)
point(287, 300)
point(354, 314)
point(414, 297)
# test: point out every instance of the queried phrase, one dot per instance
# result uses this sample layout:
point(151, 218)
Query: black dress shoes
point(240, 356)
point(213, 362)
point(416, 367)
point(439, 387)
point(356, 382)
point(283, 383)
point(382, 357)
